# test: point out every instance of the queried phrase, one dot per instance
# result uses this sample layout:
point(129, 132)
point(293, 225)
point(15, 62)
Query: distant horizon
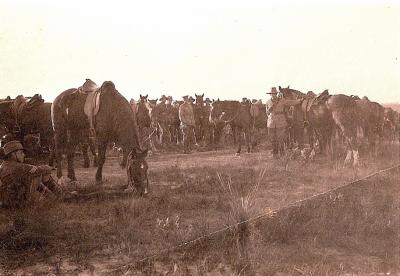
point(264, 99)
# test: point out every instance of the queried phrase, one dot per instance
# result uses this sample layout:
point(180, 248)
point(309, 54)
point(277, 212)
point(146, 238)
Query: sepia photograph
point(218, 138)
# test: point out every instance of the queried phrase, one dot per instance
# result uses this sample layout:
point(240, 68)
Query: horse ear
point(146, 96)
point(288, 86)
point(202, 95)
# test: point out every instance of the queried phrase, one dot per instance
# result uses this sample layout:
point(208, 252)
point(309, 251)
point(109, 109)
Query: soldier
point(186, 116)
point(276, 122)
point(24, 186)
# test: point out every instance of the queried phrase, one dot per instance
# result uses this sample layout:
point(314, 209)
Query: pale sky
point(227, 49)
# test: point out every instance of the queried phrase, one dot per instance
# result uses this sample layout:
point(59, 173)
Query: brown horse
point(165, 119)
point(348, 118)
point(311, 120)
point(202, 123)
point(143, 118)
point(391, 127)
point(116, 122)
point(7, 118)
point(372, 120)
point(237, 115)
point(71, 127)
point(258, 121)
point(294, 116)
point(35, 118)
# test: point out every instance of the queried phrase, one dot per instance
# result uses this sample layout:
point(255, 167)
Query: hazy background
point(226, 49)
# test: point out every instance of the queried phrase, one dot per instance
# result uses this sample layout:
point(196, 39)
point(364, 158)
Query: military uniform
point(276, 122)
point(186, 116)
point(21, 184)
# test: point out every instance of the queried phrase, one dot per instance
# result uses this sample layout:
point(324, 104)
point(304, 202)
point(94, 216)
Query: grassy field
point(348, 231)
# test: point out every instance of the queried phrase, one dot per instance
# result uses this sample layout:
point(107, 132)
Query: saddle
point(36, 99)
point(91, 107)
point(322, 97)
point(17, 106)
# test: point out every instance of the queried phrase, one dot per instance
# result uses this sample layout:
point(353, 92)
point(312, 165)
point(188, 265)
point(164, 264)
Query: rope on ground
point(257, 217)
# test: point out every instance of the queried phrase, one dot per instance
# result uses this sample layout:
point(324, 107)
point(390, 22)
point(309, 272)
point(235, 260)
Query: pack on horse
point(316, 119)
point(28, 120)
point(7, 119)
point(35, 118)
point(115, 122)
point(71, 126)
point(237, 115)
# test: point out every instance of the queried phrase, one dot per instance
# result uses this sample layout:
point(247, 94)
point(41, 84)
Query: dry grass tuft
point(241, 209)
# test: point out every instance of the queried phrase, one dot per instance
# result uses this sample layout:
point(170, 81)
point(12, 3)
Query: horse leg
point(59, 139)
point(102, 146)
point(71, 154)
point(240, 134)
point(86, 161)
point(92, 148)
point(248, 136)
point(51, 153)
point(124, 159)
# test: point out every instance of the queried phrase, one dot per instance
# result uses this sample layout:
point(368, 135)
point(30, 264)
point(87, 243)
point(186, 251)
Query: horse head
point(199, 99)
point(290, 93)
point(137, 170)
point(143, 99)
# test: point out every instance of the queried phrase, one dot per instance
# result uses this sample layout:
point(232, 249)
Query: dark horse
point(237, 115)
point(202, 123)
point(294, 116)
point(313, 118)
point(143, 118)
point(71, 127)
point(116, 122)
point(35, 118)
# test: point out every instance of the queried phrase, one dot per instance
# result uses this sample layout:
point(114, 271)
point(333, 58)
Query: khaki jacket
point(186, 114)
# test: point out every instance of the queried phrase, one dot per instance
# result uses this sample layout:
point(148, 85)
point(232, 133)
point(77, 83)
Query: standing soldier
point(186, 116)
point(276, 122)
point(24, 186)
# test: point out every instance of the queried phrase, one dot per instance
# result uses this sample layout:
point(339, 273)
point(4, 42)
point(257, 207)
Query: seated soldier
point(25, 186)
